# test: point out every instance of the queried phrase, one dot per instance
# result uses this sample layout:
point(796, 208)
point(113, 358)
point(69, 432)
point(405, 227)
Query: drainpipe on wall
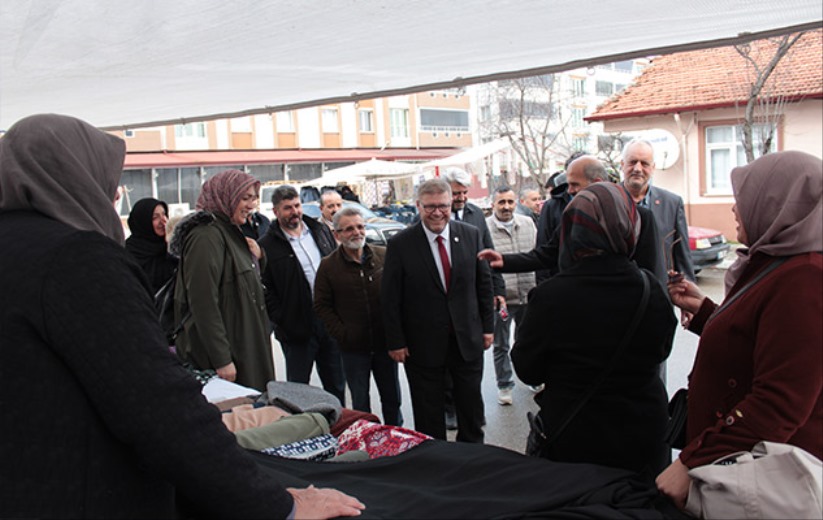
point(684, 148)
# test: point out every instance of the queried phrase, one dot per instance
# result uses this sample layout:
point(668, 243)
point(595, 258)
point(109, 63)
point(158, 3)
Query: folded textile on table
point(248, 416)
point(217, 389)
point(288, 429)
point(378, 440)
point(299, 398)
point(322, 447)
point(349, 417)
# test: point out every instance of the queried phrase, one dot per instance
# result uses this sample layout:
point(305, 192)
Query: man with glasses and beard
point(347, 299)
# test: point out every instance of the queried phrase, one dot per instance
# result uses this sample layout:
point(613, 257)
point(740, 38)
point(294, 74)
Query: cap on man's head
point(458, 175)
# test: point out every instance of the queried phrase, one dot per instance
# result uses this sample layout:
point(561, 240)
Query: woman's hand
point(674, 482)
point(228, 372)
point(254, 247)
point(686, 295)
point(313, 502)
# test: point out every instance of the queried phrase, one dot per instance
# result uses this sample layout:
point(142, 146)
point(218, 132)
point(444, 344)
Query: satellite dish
point(666, 147)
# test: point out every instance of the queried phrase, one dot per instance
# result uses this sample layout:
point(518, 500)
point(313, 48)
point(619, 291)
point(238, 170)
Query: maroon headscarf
point(780, 201)
point(599, 219)
point(222, 193)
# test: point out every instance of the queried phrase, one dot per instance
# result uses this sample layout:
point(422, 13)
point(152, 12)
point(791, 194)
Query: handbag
point(164, 306)
point(538, 442)
point(772, 481)
point(675, 433)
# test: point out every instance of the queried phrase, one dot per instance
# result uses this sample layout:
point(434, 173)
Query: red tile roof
point(718, 77)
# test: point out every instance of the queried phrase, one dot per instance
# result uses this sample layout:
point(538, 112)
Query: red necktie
point(444, 259)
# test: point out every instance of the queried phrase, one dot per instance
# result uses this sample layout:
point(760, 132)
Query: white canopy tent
point(129, 64)
point(373, 169)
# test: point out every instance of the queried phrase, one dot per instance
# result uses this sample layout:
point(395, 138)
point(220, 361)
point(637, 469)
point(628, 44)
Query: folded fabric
point(217, 389)
point(378, 440)
point(228, 404)
point(247, 416)
point(322, 447)
point(288, 429)
point(349, 417)
point(299, 398)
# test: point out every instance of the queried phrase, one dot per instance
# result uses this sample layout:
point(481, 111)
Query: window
point(399, 120)
point(241, 124)
point(577, 117)
point(285, 122)
point(724, 151)
point(137, 185)
point(604, 88)
point(485, 113)
point(329, 120)
point(366, 121)
point(580, 144)
point(578, 87)
point(445, 120)
point(128, 133)
point(623, 66)
point(190, 130)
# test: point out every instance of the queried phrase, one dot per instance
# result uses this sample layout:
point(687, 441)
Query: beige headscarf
point(779, 198)
point(65, 169)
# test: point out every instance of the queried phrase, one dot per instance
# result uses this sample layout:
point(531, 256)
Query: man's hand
point(495, 259)
point(674, 483)
point(228, 372)
point(399, 355)
point(312, 503)
point(499, 302)
point(487, 341)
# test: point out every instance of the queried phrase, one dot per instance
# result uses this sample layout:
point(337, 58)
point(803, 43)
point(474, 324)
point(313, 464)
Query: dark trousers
point(322, 349)
point(359, 367)
point(427, 386)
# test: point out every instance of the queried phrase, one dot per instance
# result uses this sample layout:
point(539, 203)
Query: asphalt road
point(506, 425)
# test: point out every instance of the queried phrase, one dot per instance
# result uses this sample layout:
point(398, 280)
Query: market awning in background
point(373, 169)
point(126, 63)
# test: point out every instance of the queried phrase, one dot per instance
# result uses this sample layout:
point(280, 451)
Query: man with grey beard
point(347, 299)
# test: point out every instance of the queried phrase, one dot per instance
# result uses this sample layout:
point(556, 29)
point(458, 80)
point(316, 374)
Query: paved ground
point(506, 425)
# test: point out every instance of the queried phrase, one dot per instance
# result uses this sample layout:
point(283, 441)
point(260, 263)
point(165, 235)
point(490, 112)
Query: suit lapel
point(424, 248)
point(457, 247)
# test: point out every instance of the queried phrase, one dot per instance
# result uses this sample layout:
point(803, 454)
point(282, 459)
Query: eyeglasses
point(442, 208)
point(352, 229)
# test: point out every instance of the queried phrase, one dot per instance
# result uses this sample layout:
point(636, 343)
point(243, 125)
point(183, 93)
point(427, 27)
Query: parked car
point(378, 229)
point(708, 247)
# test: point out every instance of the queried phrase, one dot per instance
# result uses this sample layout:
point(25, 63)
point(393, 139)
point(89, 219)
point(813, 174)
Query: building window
point(241, 124)
point(329, 120)
point(724, 152)
point(580, 144)
point(285, 122)
point(366, 121)
point(190, 130)
point(399, 121)
point(604, 88)
point(437, 120)
point(578, 87)
point(577, 117)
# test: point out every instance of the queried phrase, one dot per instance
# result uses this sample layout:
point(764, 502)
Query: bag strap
point(725, 305)
point(621, 347)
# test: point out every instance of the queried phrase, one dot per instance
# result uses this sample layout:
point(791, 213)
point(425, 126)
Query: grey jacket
point(521, 239)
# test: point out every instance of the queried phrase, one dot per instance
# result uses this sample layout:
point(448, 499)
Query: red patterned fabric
point(378, 440)
point(349, 417)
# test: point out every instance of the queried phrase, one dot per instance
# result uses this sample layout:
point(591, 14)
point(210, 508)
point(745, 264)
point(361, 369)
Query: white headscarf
point(65, 169)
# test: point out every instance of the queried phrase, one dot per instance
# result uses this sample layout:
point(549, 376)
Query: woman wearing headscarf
point(147, 242)
point(588, 307)
point(100, 419)
point(219, 283)
point(758, 372)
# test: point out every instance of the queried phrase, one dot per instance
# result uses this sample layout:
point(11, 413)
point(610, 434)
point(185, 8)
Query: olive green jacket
point(219, 280)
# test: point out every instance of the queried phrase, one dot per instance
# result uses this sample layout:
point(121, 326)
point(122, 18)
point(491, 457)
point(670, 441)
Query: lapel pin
point(457, 239)
point(657, 201)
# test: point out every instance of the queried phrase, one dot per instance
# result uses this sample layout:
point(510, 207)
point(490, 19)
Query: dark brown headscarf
point(780, 201)
point(601, 219)
point(65, 169)
point(223, 192)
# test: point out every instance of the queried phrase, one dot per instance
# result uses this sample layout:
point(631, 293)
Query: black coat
point(588, 309)
point(100, 419)
point(474, 215)
point(288, 294)
point(417, 310)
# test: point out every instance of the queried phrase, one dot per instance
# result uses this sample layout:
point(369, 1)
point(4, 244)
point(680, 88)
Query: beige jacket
point(521, 239)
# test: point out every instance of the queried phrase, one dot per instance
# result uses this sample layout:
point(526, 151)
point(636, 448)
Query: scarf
point(223, 192)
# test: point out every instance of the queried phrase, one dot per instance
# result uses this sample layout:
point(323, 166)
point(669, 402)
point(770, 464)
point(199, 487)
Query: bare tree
point(528, 115)
point(765, 103)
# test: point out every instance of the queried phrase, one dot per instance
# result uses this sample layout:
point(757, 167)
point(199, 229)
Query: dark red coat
point(758, 374)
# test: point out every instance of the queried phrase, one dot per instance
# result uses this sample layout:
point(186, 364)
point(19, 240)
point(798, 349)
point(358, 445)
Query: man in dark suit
point(438, 312)
point(637, 166)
